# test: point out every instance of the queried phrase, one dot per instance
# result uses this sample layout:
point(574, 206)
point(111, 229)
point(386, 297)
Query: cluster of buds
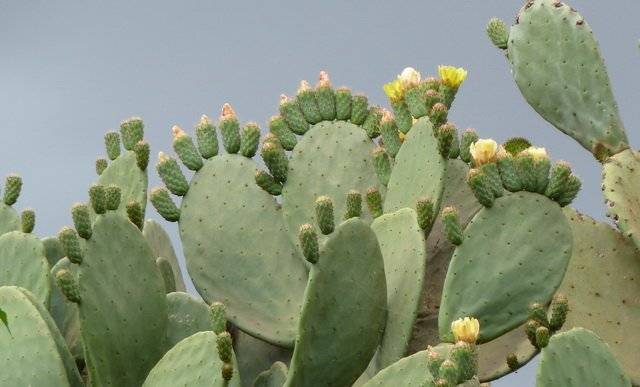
point(460, 364)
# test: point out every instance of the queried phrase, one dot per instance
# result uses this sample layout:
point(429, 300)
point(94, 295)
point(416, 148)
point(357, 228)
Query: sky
point(71, 70)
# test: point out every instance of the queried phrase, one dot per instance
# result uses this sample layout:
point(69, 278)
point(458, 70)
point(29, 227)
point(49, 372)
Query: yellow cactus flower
point(452, 76)
point(466, 329)
point(536, 153)
point(410, 77)
point(394, 90)
point(483, 151)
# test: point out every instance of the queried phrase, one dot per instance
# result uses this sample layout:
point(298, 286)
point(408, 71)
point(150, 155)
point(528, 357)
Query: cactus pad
point(273, 377)
point(122, 292)
point(331, 159)
point(9, 219)
point(410, 371)
point(53, 250)
point(620, 182)
point(579, 358)
point(419, 169)
point(23, 263)
point(402, 244)
point(132, 181)
point(161, 246)
point(32, 336)
point(255, 356)
point(187, 316)
point(192, 362)
point(341, 336)
point(65, 312)
point(241, 249)
point(602, 284)
point(556, 63)
point(500, 268)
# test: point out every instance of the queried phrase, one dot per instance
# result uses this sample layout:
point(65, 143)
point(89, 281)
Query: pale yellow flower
point(410, 77)
point(536, 153)
point(466, 329)
point(483, 151)
point(452, 76)
point(394, 90)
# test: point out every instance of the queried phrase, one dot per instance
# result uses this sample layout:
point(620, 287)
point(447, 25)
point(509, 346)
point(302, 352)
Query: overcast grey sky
point(70, 70)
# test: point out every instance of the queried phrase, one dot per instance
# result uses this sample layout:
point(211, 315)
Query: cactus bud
point(452, 228)
point(542, 337)
point(292, 114)
point(71, 245)
point(68, 285)
point(530, 329)
point(164, 205)
point(354, 205)
point(445, 135)
point(469, 136)
point(538, 312)
point(325, 97)
point(570, 191)
point(434, 360)
point(416, 100)
point(225, 350)
point(135, 214)
point(101, 165)
point(112, 195)
point(558, 180)
point(218, 314)
point(509, 172)
point(498, 33)
point(276, 160)
point(559, 309)
point(465, 357)
point(438, 114)
point(309, 242)
point(512, 362)
point(534, 169)
point(171, 175)
point(515, 145)
point(389, 131)
point(278, 126)
point(307, 100)
point(449, 372)
point(343, 103)
point(141, 150)
point(81, 220)
point(382, 165)
point(265, 181)
point(132, 131)
point(426, 213)
point(164, 267)
point(206, 138)
point(454, 152)
point(227, 371)
point(324, 214)
point(371, 124)
point(494, 181)
point(28, 220)
point(12, 188)
point(112, 144)
point(431, 97)
point(374, 202)
point(185, 148)
point(97, 198)
point(480, 187)
point(230, 129)
point(249, 140)
point(359, 109)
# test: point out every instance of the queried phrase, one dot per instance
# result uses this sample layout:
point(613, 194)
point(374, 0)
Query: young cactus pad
point(499, 269)
point(9, 217)
point(187, 316)
point(557, 65)
point(161, 246)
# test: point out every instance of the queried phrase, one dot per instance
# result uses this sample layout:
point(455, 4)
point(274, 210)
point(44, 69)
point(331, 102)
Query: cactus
point(161, 246)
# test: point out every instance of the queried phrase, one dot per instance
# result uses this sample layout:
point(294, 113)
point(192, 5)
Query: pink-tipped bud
point(227, 112)
point(283, 99)
point(304, 86)
point(204, 120)
point(323, 79)
point(177, 131)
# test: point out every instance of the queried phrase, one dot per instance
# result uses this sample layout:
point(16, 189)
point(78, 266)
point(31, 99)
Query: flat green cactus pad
point(240, 253)
point(410, 371)
point(439, 251)
point(32, 349)
point(331, 159)
point(255, 356)
point(123, 312)
point(620, 182)
point(492, 356)
point(125, 173)
point(187, 316)
point(341, 336)
point(579, 358)
point(53, 250)
point(273, 377)
point(556, 63)
point(161, 246)
point(192, 362)
point(65, 312)
point(9, 219)
point(419, 169)
point(23, 263)
point(602, 285)
point(513, 254)
point(403, 245)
